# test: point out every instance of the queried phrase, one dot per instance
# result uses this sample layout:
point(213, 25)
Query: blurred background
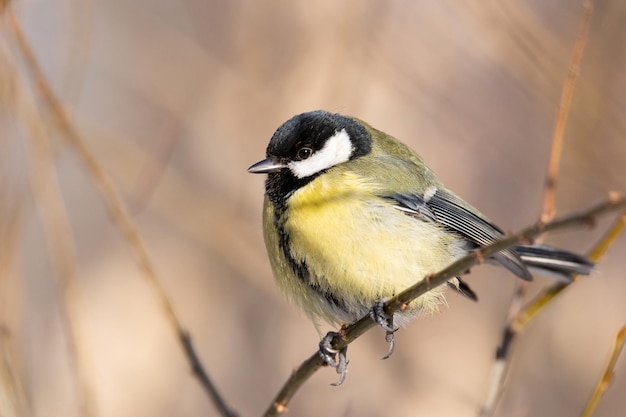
point(176, 99)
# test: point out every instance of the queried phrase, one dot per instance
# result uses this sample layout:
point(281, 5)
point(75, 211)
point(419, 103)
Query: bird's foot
point(384, 320)
point(329, 354)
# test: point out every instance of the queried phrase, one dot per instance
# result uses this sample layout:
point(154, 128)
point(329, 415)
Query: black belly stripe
point(278, 195)
point(301, 270)
point(328, 296)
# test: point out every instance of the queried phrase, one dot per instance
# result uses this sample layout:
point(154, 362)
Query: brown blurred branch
point(607, 376)
point(61, 250)
point(351, 332)
point(549, 203)
point(115, 206)
point(549, 210)
point(50, 208)
point(13, 398)
point(529, 311)
point(518, 322)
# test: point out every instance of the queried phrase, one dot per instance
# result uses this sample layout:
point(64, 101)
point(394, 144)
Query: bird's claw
point(377, 313)
point(338, 359)
point(328, 354)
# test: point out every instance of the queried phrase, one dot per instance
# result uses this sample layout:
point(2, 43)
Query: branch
point(549, 204)
point(61, 248)
point(115, 206)
point(607, 376)
point(518, 321)
point(549, 209)
point(539, 302)
point(351, 332)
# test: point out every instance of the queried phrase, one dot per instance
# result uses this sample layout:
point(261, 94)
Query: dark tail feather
point(554, 261)
point(463, 288)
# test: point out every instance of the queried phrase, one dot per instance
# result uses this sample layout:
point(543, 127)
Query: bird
point(352, 217)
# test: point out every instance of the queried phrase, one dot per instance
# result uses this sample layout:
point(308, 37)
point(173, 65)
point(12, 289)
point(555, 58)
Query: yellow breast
point(357, 245)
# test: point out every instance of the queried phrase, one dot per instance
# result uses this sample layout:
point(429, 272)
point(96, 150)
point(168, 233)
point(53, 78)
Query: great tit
point(352, 216)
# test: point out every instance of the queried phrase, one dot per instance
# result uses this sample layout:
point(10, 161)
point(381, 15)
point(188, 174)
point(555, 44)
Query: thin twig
point(13, 398)
point(519, 322)
point(549, 199)
point(57, 232)
point(608, 375)
point(545, 297)
point(353, 331)
point(115, 206)
point(549, 211)
point(540, 301)
point(62, 251)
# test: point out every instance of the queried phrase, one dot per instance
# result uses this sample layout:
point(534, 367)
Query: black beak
point(266, 166)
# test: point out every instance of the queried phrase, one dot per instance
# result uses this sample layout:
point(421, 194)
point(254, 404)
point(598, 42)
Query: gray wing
point(445, 208)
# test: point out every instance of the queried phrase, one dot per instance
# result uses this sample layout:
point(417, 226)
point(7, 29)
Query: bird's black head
point(307, 145)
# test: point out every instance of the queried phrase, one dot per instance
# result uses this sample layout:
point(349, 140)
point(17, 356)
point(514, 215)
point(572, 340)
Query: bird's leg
point(377, 313)
point(327, 353)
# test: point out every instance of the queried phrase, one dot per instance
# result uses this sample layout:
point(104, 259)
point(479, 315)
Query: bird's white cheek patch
point(338, 149)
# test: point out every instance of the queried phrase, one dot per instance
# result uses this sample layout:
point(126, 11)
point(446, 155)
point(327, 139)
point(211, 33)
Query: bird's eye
point(304, 153)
